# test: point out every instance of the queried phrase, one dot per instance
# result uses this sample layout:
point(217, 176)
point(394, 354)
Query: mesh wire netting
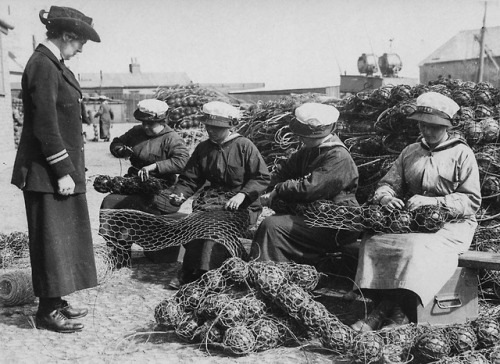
point(377, 218)
point(16, 287)
point(209, 221)
point(14, 250)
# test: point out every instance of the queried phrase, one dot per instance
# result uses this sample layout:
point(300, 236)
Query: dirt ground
point(120, 326)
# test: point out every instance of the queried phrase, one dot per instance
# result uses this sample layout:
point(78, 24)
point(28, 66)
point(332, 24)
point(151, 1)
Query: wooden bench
point(457, 301)
point(469, 259)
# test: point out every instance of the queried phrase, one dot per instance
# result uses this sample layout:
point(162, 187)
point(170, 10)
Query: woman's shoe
point(375, 319)
point(397, 318)
point(56, 321)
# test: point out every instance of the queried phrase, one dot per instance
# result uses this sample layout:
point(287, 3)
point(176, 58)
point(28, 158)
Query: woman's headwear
point(71, 20)
point(314, 120)
point(217, 113)
point(435, 108)
point(151, 110)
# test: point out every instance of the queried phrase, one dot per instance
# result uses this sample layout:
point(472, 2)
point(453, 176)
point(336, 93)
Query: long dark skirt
point(104, 129)
point(204, 255)
point(285, 238)
point(60, 240)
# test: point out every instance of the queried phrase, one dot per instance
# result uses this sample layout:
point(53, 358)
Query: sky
point(282, 43)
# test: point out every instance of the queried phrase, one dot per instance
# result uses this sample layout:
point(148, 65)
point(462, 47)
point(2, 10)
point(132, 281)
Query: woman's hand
point(418, 200)
point(177, 200)
point(267, 198)
point(235, 202)
point(392, 202)
point(145, 171)
point(65, 185)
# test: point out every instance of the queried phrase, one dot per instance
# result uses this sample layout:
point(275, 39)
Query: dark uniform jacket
point(235, 166)
point(51, 144)
point(166, 149)
point(324, 172)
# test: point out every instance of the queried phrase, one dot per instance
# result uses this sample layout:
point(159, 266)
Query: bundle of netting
point(240, 340)
point(487, 330)
point(214, 280)
point(315, 317)
point(303, 275)
point(424, 219)
point(336, 336)
point(190, 296)
point(209, 221)
point(16, 287)
point(471, 357)
point(267, 334)
point(104, 262)
point(494, 355)
point(187, 327)
point(129, 185)
point(433, 344)
point(14, 250)
point(210, 333)
point(253, 308)
point(185, 103)
point(235, 269)
point(462, 338)
point(367, 347)
point(402, 336)
point(292, 298)
point(268, 278)
point(395, 354)
point(168, 313)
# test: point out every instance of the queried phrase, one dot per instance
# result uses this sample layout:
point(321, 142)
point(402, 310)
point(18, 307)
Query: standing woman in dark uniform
point(50, 170)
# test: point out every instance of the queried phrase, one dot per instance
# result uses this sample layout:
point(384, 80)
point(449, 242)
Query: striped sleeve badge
point(54, 158)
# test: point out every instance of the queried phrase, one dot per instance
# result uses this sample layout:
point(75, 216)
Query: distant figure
point(85, 119)
point(105, 116)
point(50, 170)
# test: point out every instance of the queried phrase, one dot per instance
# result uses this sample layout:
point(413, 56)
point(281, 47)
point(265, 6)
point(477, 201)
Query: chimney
point(134, 67)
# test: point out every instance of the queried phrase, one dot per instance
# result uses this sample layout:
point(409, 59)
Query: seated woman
point(155, 150)
point(402, 271)
point(230, 163)
point(322, 169)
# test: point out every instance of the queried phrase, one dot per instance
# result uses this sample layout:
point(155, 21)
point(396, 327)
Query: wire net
point(209, 221)
point(14, 250)
point(377, 218)
point(15, 287)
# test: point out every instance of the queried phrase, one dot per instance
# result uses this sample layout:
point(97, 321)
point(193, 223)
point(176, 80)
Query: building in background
point(459, 58)
point(7, 147)
point(272, 93)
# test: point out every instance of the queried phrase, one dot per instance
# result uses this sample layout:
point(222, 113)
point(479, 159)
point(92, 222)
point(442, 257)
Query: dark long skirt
point(104, 127)
point(60, 240)
point(285, 238)
point(144, 203)
point(204, 255)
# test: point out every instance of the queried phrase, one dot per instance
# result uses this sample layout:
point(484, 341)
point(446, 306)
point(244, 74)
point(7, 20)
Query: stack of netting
point(185, 104)
point(376, 218)
point(242, 308)
point(486, 239)
point(15, 273)
point(129, 185)
point(208, 221)
point(266, 125)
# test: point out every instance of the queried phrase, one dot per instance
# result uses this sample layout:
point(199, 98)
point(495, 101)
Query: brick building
point(7, 148)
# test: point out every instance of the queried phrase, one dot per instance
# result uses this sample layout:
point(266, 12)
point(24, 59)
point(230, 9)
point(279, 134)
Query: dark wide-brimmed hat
point(71, 20)
point(151, 110)
point(314, 120)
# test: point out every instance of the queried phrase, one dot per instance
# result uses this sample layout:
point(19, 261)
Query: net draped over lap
point(209, 221)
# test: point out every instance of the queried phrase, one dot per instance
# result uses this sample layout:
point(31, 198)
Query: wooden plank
point(479, 260)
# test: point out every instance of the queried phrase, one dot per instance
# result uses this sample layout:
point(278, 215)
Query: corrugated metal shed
point(464, 46)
